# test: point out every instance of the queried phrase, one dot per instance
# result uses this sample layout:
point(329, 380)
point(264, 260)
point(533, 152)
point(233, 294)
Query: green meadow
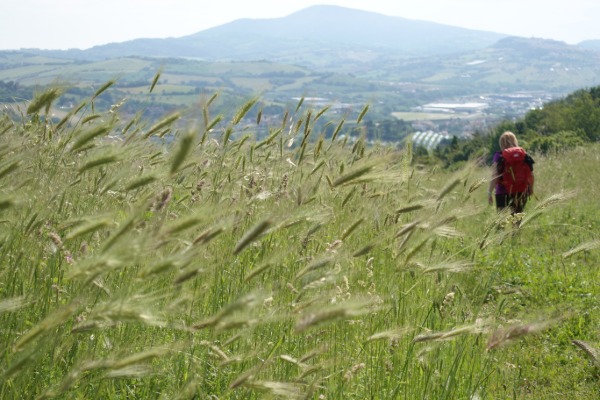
point(155, 261)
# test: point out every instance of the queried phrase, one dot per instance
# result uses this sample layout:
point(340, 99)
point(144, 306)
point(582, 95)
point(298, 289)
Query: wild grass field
point(299, 266)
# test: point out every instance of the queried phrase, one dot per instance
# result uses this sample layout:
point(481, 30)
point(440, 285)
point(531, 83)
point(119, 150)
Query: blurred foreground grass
point(218, 266)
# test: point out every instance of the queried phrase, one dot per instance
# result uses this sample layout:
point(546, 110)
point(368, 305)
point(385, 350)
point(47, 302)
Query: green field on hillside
point(136, 264)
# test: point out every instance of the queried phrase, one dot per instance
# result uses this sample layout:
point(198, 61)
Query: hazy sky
point(61, 24)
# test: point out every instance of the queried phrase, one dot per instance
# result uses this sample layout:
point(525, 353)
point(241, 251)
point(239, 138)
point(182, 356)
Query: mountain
point(315, 36)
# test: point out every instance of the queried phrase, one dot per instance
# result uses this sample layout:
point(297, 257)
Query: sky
point(63, 24)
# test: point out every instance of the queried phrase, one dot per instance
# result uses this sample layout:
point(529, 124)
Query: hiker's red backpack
point(516, 173)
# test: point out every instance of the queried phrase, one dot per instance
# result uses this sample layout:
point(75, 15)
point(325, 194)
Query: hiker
point(512, 178)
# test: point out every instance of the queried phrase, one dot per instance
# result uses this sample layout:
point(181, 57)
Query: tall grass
point(220, 266)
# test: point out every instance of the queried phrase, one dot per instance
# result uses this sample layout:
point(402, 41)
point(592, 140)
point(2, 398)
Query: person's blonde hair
point(508, 139)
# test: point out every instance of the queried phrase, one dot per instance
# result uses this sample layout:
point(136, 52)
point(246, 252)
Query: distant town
point(464, 116)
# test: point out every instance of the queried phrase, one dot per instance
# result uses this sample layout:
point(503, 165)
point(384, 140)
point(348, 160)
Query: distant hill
point(508, 65)
point(512, 62)
point(315, 36)
point(590, 44)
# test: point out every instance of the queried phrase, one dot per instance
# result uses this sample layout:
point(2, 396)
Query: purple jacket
point(496, 160)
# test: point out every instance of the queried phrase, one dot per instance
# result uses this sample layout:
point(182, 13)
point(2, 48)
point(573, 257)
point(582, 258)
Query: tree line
point(12, 92)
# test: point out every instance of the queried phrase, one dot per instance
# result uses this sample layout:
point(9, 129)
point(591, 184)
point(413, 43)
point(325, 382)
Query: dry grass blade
point(295, 128)
point(243, 378)
point(125, 227)
point(216, 350)
point(208, 235)
point(174, 262)
point(89, 227)
point(352, 176)
point(554, 199)
point(97, 162)
point(314, 319)
point(346, 310)
point(240, 304)
point(214, 122)
point(581, 248)
point(315, 265)
point(133, 121)
point(362, 114)
point(162, 124)
point(212, 99)
point(162, 199)
point(68, 116)
point(257, 271)
point(410, 207)
point(43, 100)
point(7, 202)
point(416, 249)
point(93, 267)
point(293, 361)
point(270, 139)
point(6, 125)
point(89, 135)
point(364, 250)
point(278, 389)
point(186, 275)
point(140, 182)
point(117, 311)
point(155, 81)
point(13, 304)
point(131, 366)
point(132, 371)
point(546, 203)
point(52, 320)
point(259, 116)
point(68, 381)
point(448, 188)
point(252, 235)
point(185, 145)
point(475, 185)
point(447, 232)
point(243, 111)
point(407, 229)
point(458, 266)
point(90, 118)
point(504, 335)
point(337, 130)
point(348, 197)
point(103, 88)
point(470, 329)
point(591, 351)
point(351, 228)
point(227, 134)
point(320, 165)
point(21, 360)
point(321, 112)
point(299, 104)
point(9, 168)
point(393, 334)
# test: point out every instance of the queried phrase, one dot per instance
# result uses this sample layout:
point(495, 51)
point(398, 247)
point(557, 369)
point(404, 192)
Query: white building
point(429, 139)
